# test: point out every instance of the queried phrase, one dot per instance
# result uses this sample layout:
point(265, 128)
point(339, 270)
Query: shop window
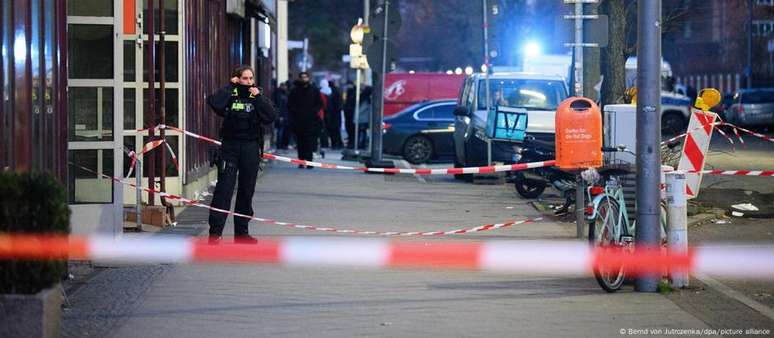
point(130, 47)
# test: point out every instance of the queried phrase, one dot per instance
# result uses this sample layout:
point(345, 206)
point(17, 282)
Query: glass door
point(94, 96)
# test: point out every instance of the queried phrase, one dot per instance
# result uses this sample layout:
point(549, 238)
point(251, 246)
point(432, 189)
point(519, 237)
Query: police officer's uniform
point(240, 153)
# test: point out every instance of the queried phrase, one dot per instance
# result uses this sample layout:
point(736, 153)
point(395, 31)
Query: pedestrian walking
point(245, 110)
point(304, 104)
point(349, 114)
point(333, 116)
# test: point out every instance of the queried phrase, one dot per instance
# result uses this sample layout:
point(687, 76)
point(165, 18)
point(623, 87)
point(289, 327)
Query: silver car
point(752, 107)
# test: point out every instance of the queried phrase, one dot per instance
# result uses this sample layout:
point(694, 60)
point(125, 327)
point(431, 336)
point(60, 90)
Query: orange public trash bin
point(578, 134)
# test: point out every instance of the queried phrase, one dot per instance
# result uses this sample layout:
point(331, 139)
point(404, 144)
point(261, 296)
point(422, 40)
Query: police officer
point(245, 110)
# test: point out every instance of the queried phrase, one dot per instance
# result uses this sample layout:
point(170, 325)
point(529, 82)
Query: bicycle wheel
point(605, 232)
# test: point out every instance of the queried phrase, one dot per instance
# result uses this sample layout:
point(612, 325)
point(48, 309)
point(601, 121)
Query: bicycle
point(609, 222)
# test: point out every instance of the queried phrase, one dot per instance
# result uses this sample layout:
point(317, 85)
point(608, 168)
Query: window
point(86, 186)
point(89, 8)
point(129, 60)
point(438, 112)
point(444, 112)
point(170, 165)
point(91, 113)
point(170, 62)
point(530, 94)
point(130, 104)
point(171, 104)
point(90, 51)
point(758, 96)
point(170, 16)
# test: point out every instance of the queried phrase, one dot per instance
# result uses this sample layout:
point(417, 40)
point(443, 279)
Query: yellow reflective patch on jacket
point(235, 92)
point(237, 106)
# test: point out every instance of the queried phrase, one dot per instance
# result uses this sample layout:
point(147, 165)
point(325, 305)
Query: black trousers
point(349, 125)
point(306, 140)
point(239, 161)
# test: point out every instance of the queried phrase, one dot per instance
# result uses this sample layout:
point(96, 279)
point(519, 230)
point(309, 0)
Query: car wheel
point(672, 124)
point(417, 149)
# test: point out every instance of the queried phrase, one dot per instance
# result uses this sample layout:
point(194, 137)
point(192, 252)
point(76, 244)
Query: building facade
point(721, 43)
point(77, 80)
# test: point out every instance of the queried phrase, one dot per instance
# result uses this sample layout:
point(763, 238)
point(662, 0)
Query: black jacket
point(304, 103)
point(243, 114)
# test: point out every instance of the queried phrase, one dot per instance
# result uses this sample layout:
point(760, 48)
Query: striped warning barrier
point(695, 149)
point(529, 257)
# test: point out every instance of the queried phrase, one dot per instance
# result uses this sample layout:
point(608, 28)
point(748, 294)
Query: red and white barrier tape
point(446, 171)
point(531, 257)
point(731, 172)
point(485, 227)
point(423, 171)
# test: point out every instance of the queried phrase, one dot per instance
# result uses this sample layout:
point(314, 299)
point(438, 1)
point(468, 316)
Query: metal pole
point(648, 132)
point(138, 191)
point(162, 99)
point(677, 218)
point(355, 145)
point(749, 43)
point(151, 112)
point(303, 57)
point(378, 114)
point(580, 212)
point(486, 75)
point(578, 49)
point(580, 215)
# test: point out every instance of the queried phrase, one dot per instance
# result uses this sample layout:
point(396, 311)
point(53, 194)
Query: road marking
point(736, 295)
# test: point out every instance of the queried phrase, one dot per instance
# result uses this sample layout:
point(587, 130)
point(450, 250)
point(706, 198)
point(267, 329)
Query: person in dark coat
point(333, 116)
point(349, 114)
point(245, 110)
point(280, 98)
point(304, 103)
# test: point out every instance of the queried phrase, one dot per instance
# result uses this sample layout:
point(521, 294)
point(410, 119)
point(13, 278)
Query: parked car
point(537, 93)
point(752, 107)
point(421, 132)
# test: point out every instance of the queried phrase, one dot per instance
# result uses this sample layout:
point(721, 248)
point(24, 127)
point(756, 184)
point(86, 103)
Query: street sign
point(299, 61)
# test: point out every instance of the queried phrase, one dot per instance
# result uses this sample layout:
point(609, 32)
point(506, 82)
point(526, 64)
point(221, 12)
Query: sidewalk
point(246, 300)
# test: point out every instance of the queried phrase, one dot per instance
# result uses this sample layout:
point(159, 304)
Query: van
point(538, 94)
point(402, 90)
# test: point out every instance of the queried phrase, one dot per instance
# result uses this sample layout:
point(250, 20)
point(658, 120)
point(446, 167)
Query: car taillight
point(596, 190)
point(386, 125)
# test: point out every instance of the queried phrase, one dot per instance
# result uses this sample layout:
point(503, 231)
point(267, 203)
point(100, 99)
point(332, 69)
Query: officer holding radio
point(245, 110)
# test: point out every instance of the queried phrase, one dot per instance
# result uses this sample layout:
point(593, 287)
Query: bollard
point(677, 220)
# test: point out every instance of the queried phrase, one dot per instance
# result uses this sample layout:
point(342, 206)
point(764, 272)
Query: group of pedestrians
point(312, 116)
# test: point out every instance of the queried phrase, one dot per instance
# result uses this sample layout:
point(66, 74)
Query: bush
point(32, 203)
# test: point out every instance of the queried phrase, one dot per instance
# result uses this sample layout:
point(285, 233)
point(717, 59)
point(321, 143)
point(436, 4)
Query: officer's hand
point(234, 80)
point(255, 91)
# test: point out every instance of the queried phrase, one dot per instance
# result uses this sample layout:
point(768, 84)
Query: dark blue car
point(421, 132)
